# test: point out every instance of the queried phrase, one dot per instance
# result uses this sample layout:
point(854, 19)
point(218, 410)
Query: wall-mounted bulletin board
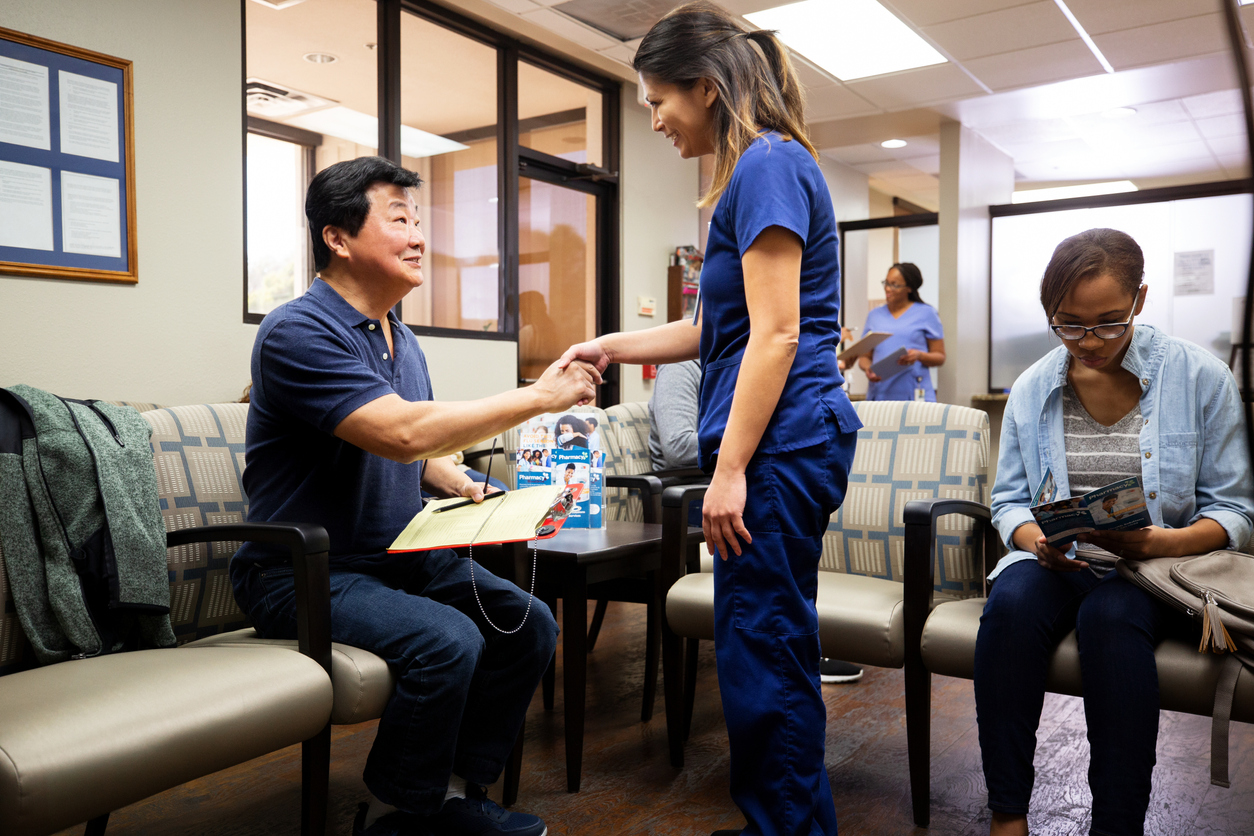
point(67, 162)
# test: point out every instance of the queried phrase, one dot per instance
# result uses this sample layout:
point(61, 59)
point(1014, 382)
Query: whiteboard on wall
point(1209, 237)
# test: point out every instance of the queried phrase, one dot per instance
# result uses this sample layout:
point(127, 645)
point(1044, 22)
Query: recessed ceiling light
point(893, 143)
point(1084, 190)
point(1123, 112)
point(321, 58)
point(850, 39)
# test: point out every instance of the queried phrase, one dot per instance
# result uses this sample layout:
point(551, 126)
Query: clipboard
point(535, 514)
point(863, 346)
point(887, 366)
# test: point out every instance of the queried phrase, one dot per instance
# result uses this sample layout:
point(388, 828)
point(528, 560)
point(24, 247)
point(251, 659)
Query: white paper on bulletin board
point(1195, 273)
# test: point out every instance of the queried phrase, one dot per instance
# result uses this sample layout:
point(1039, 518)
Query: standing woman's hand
point(722, 516)
point(591, 352)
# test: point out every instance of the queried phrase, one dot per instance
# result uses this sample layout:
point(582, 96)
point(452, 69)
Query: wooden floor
point(630, 788)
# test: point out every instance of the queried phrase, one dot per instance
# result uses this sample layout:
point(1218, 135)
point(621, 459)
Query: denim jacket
point(1194, 459)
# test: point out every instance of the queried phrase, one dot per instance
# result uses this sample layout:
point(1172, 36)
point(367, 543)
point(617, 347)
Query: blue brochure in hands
point(1119, 506)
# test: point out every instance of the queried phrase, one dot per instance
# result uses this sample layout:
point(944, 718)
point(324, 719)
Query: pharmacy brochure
point(1119, 506)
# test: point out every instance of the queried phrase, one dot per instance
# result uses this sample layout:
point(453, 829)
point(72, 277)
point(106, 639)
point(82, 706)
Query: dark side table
point(567, 564)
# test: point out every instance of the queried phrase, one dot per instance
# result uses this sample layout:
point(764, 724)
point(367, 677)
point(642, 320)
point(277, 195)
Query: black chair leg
point(690, 683)
point(918, 740)
point(96, 827)
point(513, 770)
point(594, 629)
point(652, 649)
point(315, 766)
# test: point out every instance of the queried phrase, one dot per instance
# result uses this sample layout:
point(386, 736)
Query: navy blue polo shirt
point(775, 183)
point(315, 361)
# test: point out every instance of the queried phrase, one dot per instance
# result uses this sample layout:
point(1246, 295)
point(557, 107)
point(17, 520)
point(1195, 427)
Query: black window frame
point(512, 159)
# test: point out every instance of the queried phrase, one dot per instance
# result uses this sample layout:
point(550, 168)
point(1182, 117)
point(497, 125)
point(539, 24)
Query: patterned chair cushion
point(911, 450)
point(199, 457)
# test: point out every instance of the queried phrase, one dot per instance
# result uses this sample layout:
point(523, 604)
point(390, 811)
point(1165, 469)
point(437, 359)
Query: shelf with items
point(682, 280)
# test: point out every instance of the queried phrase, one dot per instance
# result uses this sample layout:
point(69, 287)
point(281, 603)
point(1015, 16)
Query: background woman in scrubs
point(774, 427)
point(915, 326)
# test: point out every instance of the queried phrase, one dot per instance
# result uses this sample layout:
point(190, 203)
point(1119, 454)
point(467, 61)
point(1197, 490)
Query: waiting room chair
point(85, 737)
point(906, 451)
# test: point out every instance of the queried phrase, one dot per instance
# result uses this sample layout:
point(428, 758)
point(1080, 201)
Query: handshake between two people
point(572, 379)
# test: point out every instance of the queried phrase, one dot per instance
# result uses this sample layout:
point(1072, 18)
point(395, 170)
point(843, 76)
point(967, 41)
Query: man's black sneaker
point(834, 670)
point(478, 815)
point(396, 823)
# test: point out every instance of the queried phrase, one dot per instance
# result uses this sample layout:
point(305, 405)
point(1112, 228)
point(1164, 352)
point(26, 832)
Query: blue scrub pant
point(1029, 610)
point(767, 640)
point(462, 688)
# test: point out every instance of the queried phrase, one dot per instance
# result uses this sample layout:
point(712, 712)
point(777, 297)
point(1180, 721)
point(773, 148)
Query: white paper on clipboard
point(888, 367)
point(863, 346)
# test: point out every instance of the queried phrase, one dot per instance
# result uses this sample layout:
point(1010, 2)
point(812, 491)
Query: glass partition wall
point(518, 151)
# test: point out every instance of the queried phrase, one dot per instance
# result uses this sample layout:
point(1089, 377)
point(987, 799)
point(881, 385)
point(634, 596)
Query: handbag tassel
point(1214, 634)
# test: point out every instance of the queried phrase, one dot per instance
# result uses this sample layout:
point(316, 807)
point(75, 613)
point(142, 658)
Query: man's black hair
point(337, 197)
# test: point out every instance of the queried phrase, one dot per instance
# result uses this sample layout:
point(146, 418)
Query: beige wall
point(659, 194)
point(176, 336)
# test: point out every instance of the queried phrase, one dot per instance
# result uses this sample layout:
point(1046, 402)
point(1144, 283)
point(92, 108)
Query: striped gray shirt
point(1098, 455)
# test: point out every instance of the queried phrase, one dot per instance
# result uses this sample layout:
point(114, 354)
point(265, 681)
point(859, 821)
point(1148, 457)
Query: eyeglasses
point(886, 286)
point(1108, 331)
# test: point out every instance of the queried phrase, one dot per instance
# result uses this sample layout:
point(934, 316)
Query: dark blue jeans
point(462, 687)
point(1029, 610)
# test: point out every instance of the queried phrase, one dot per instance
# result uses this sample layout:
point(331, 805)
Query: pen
point(486, 495)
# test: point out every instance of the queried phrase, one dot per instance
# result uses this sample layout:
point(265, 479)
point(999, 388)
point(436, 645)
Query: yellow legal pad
point(512, 518)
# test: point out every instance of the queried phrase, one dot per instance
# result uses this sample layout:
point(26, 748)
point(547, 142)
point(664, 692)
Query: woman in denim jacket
point(1115, 400)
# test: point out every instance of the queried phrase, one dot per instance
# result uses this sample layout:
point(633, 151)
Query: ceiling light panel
point(848, 38)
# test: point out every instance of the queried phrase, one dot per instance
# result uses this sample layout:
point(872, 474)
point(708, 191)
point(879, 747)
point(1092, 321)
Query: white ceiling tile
point(929, 12)
point(1029, 132)
point(517, 6)
point(1163, 43)
point(1228, 146)
point(916, 88)
point(1174, 166)
point(620, 53)
point(570, 29)
point(1126, 134)
point(1038, 65)
point(810, 75)
point(1089, 166)
point(1220, 127)
point(1219, 103)
point(917, 146)
point(893, 168)
point(1036, 152)
point(1034, 24)
point(1101, 16)
point(928, 165)
point(1148, 114)
point(1139, 154)
point(860, 154)
point(833, 101)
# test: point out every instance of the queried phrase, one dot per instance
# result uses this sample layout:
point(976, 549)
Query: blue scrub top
point(775, 183)
point(918, 324)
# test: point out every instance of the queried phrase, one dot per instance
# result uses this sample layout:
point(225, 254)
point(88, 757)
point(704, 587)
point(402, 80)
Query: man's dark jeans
point(1029, 610)
point(462, 687)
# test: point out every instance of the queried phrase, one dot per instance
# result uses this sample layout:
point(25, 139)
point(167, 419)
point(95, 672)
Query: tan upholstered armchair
point(907, 451)
point(84, 737)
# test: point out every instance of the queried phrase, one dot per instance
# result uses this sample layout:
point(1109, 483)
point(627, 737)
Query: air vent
point(274, 101)
point(625, 21)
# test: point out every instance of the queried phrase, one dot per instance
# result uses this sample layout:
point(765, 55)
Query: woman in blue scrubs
point(775, 429)
point(916, 327)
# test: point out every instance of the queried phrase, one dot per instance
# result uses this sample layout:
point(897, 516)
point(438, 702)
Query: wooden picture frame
point(66, 147)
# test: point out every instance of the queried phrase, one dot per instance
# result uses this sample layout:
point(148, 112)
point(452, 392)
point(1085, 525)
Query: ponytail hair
point(758, 89)
point(913, 277)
